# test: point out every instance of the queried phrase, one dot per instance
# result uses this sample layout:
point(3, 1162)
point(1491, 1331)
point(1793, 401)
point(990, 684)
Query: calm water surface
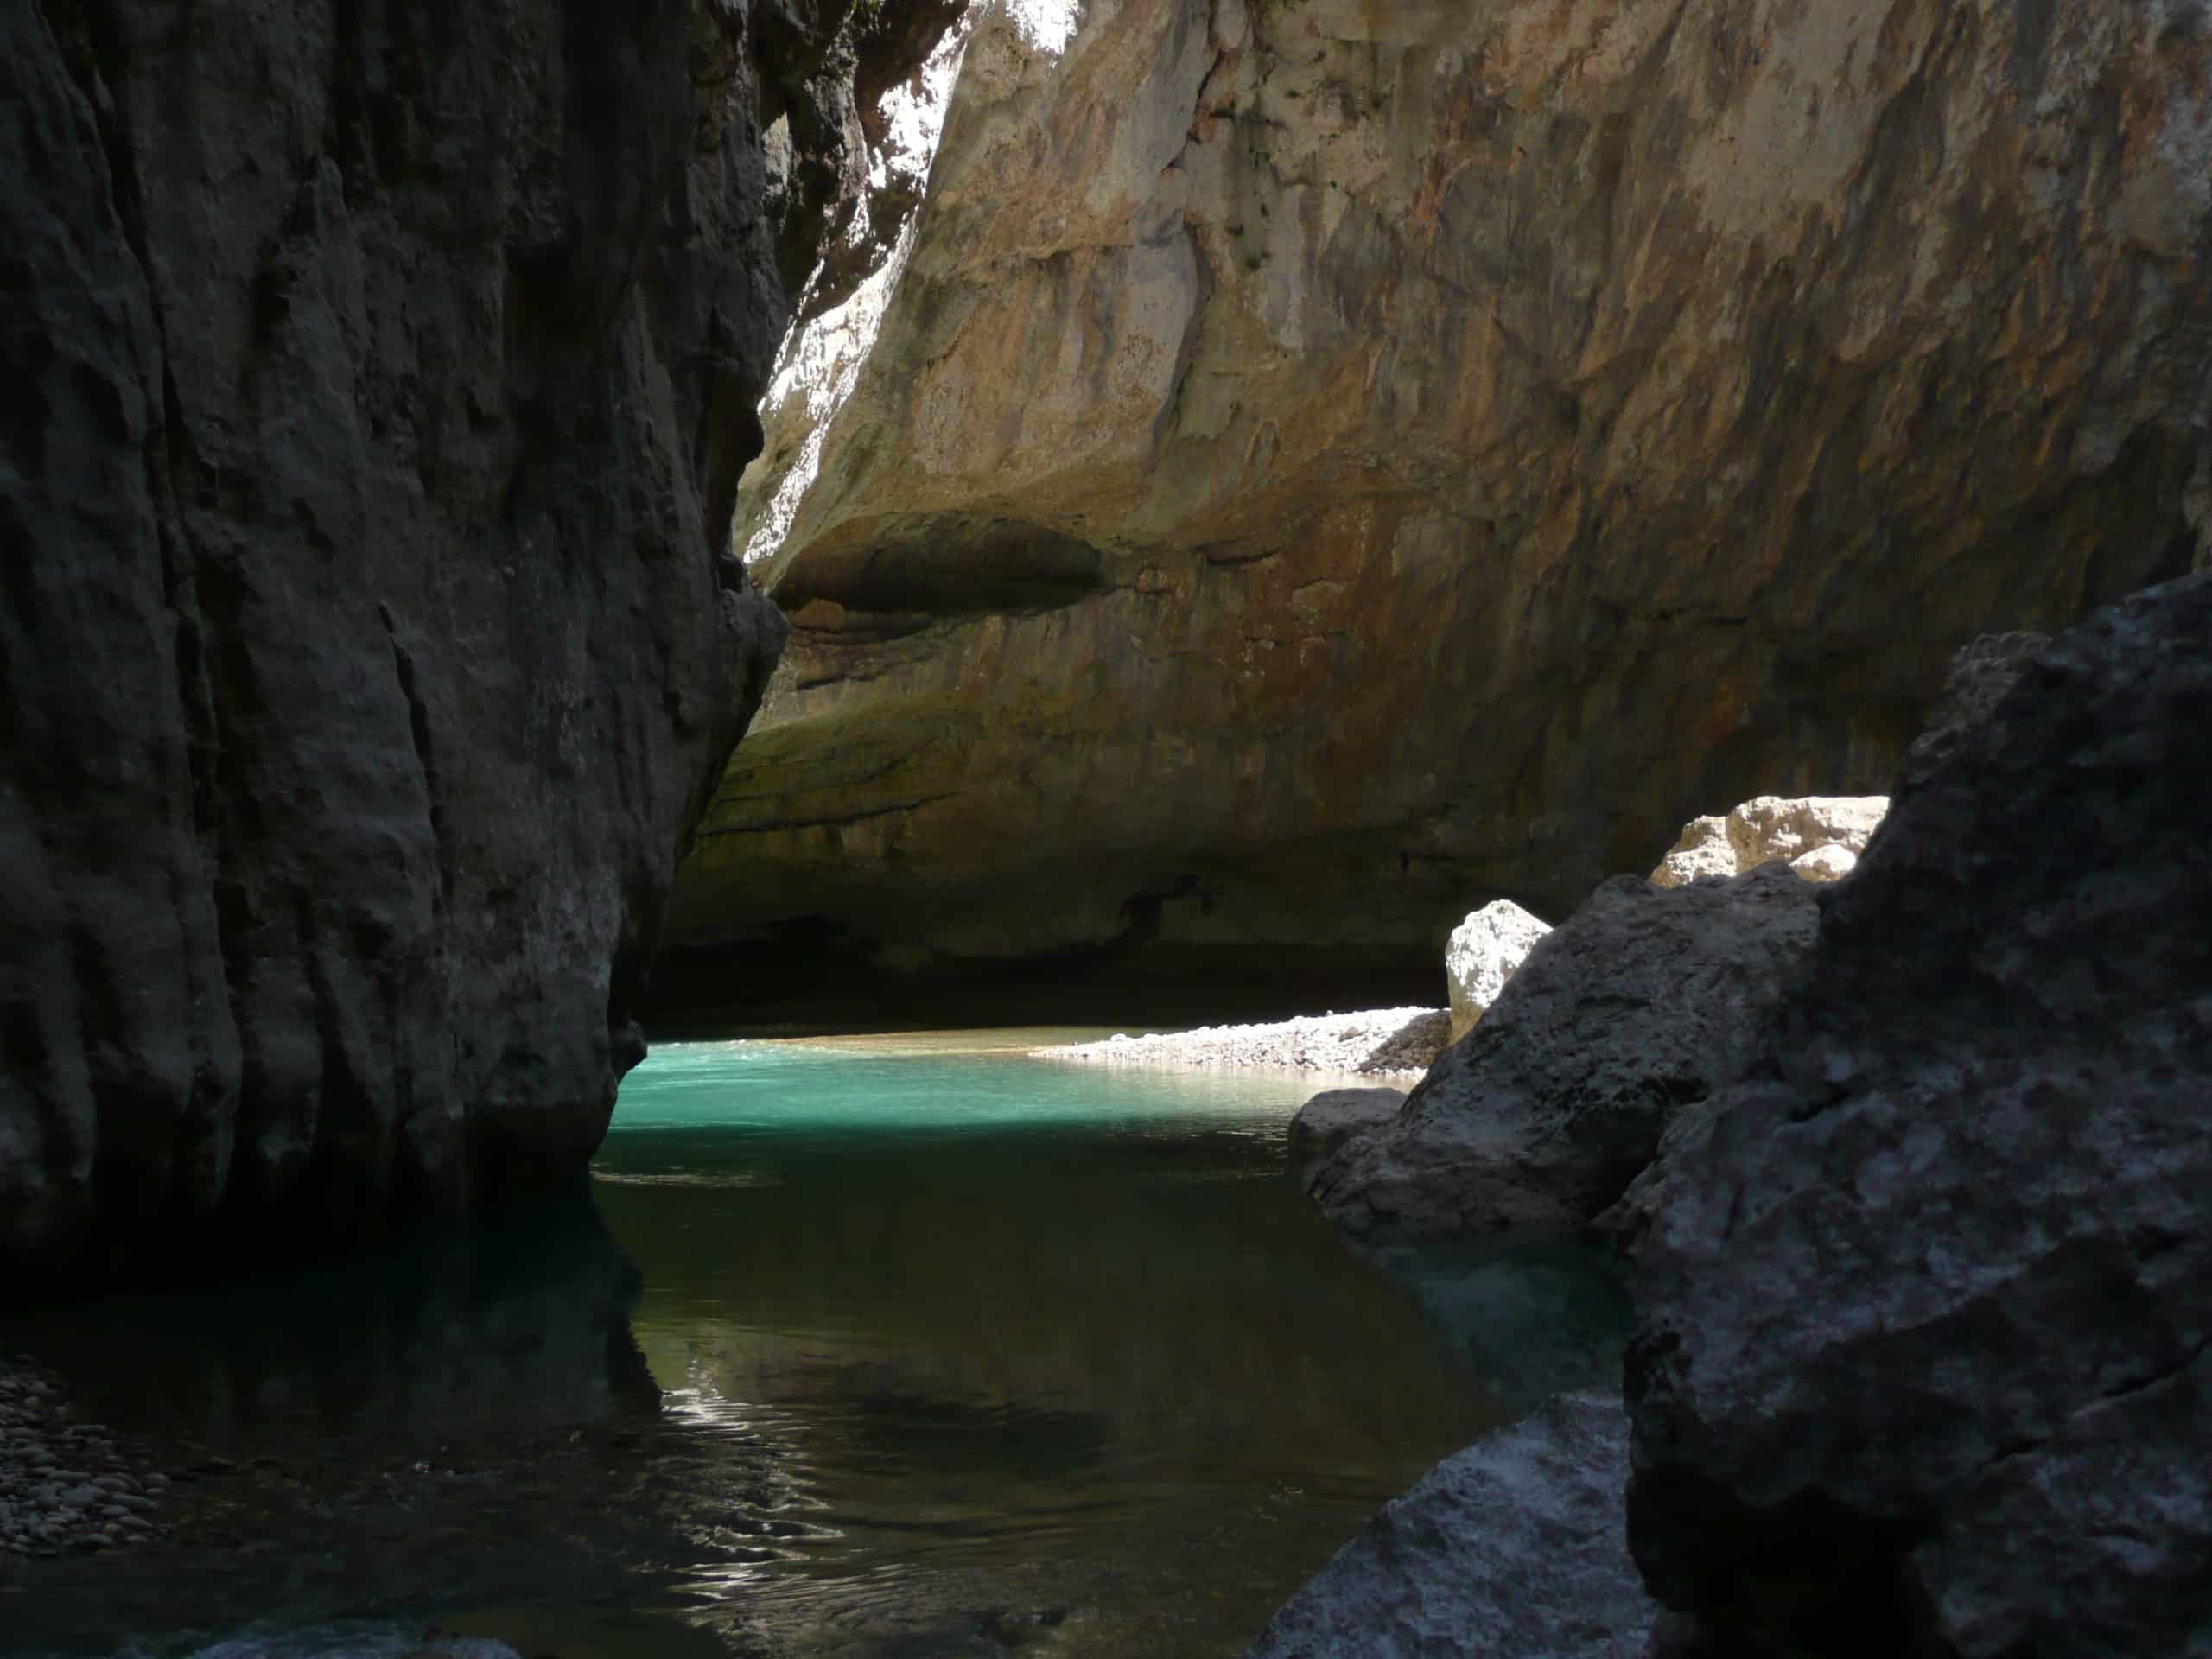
point(910, 1349)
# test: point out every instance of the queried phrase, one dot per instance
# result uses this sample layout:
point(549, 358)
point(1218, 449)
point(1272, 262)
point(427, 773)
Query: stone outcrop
point(1820, 837)
point(1628, 1016)
point(1331, 1118)
point(1924, 1359)
point(1482, 954)
point(1314, 461)
point(380, 384)
point(1511, 1549)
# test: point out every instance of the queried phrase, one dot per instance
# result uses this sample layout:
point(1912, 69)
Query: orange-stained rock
point(1314, 467)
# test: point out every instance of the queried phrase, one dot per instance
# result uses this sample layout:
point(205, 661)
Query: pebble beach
point(1377, 1042)
point(64, 1485)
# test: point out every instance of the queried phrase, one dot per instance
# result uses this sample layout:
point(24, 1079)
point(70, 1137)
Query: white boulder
point(1820, 836)
point(1484, 951)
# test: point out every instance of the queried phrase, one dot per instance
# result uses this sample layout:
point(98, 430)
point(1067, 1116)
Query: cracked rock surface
point(1924, 1358)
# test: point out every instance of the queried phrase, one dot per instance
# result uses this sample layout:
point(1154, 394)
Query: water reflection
point(914, 1355)
point(458, 1420)
point(1533, 1317)
point(1052, 1358)
point(522, 1323)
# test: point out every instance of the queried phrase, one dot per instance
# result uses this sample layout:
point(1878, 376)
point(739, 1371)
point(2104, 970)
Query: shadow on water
point(457, 1419)
point(918, 1356)
point(1533, 1318)
point(523, 1321)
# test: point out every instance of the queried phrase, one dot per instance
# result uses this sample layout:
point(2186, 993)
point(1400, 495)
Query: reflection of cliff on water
point(1077, 1288)
point(523, 1322)
point(460, 1422)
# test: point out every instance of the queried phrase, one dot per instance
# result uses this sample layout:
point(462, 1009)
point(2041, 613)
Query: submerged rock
point(1820, 837)
point(1627, 1015)
point(1924, 1361)
point(1511, 1549)
point(1482, 954)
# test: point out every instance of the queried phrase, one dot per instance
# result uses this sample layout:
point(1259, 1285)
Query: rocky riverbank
point(1379, 1042)
point(64, 1484)
point(1921, 1221)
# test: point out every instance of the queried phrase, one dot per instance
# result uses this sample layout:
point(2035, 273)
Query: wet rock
point(1623, 1019)
point(1482, 954)
point(46, 1506)
point(1924, 1361)
point(1513, 1548)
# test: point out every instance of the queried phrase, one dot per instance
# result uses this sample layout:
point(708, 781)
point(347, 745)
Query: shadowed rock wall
point(1923, 1358)
point(379, 378)
point(1324, 464)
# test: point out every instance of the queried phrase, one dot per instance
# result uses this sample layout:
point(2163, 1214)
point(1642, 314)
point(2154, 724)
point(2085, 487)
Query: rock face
point(1482, 954)
point(1513, 1548)
point(380, 387)
point(1628, 1015)
point(1315, 461)
point(1332, 1117)
point(1924, 1362)
point(1820, 837)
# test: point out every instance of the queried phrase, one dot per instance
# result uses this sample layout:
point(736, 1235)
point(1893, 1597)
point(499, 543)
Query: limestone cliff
point(379, 378)
point(1310, 465)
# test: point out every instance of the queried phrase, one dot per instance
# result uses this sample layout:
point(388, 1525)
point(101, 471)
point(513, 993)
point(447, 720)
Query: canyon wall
point(380, 378)
point(1310, 465)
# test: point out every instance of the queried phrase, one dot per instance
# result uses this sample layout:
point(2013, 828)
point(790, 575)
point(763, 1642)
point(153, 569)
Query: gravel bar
point(1380, 1042)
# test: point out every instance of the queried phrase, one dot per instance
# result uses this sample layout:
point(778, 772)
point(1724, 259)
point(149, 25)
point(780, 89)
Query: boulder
point(1511, 1549)
point(1481, 955)
point(1924, 1358)
point(1820, 836)
point(1332, 1117)
point(1631, 1013)
point(1830, 863)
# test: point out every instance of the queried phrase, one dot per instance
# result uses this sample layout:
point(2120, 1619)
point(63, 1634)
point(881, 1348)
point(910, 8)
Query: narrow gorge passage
point(607, 605)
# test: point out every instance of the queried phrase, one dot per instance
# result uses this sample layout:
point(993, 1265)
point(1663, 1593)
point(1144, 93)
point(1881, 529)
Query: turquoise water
point(856, 1351)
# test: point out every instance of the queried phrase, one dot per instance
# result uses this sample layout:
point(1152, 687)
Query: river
point(899, 1348)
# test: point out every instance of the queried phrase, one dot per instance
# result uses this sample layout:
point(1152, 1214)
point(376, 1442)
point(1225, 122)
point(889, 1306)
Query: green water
point(856, 1352)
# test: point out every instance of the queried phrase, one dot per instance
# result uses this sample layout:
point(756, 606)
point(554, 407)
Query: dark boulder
point(1924, 1361)
point(1511, 1549)
point(1629, 1014)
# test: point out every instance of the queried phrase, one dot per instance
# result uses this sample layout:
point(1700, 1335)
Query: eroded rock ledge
point(380, 385)
point(1320, 466)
